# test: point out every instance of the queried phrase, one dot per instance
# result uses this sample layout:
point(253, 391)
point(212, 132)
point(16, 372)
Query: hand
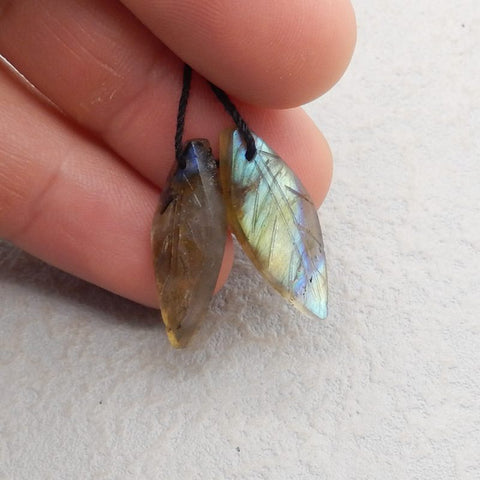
point(79, 183)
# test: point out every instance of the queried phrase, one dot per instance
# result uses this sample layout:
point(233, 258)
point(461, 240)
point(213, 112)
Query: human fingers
point(107, 72)
point(291, 133)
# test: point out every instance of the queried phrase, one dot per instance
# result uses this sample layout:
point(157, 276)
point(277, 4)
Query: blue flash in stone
point(188, 240)
point(275, 221)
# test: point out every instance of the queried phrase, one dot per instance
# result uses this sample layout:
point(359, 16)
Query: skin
point(85, 154)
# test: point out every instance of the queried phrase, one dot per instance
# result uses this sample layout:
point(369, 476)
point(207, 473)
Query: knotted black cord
point(182, 108)
point(245, 132)
point(239, 121)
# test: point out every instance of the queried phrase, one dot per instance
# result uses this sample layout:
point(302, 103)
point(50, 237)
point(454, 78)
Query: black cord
point(182, 108)
point(239, 121)
point(229, 107)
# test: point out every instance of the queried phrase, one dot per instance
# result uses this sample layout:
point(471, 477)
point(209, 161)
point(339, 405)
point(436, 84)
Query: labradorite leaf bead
point(275, 221)
point(188, 241)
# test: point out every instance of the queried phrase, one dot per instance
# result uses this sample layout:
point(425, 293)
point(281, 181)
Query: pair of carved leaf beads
point(270, 213)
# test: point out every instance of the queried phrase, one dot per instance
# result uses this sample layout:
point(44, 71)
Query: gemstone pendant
point(275, 222)
point(188, 241)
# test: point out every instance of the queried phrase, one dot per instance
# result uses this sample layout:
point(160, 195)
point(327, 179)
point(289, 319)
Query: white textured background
point(387, 388)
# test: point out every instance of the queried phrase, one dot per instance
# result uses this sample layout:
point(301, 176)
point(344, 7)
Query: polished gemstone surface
point(275, 221)
point(188, 241)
